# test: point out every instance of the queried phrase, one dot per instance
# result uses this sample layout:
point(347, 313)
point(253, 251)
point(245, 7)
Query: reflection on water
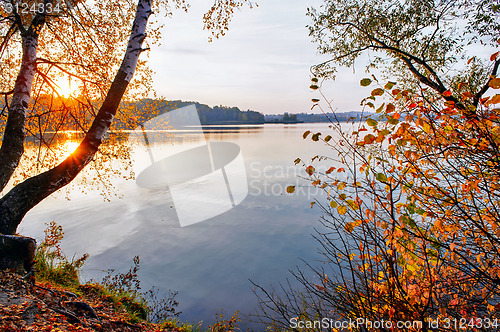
point(209, 263)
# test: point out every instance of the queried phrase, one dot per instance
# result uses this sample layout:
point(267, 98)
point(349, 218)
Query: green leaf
point(313, 87)
point(389, 85)
point(314, 79)
point(381, 177)
point(380, 108)
point(371, 122)
point(333, 204)
point(365, 82)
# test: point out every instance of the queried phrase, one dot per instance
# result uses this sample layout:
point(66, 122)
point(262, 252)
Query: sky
point(263, 63)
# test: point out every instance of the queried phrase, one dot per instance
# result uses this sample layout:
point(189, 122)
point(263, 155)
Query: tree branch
point(485, 88)
point(19, 200)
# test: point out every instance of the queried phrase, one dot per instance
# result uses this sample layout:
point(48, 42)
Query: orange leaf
point(461, 85)
point(495, 83)
point(495, 99)
point(331, 169)
point(447, 93)
point(494, 56)
point(320, 288)
point(467, 94)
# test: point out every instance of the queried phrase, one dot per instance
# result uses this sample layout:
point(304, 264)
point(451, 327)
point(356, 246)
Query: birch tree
point(81, 39)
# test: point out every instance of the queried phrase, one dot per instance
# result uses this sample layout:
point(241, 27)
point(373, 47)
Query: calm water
point(208, 263)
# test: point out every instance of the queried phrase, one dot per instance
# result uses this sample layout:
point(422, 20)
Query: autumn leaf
point(494, 83)
point(304, 136)
point(390, 108)
point(381, 177)
point(494, 56)
point(389, 85)
point(447, 93)
point(342, 209)
point(353, 205)
point(495, 99)
point(365, 82)
point(377, 92)
point(467, 94)
point(349, 227)
point(310, 170)
point(333, 204)
point(369, 138)
point(371, 122)
point(290, 189)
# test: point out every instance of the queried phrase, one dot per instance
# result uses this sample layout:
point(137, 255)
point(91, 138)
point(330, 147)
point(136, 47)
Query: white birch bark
point(18, 201)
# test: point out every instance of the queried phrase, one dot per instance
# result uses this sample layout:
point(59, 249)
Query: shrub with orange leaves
point(412, 228)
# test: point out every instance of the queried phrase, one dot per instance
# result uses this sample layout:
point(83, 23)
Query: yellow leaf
point(342, 209)
point(349, 227)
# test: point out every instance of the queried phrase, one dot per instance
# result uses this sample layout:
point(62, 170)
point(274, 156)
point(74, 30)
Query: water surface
point(209, 263)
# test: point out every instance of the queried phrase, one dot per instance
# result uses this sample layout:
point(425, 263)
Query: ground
point(26, 305)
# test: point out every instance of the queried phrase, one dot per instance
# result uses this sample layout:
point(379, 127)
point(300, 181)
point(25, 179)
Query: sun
point(70, 147)
point(66, 87)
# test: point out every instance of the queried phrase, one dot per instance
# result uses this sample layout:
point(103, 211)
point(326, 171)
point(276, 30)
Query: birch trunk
point(17, 202)
point(13, 142)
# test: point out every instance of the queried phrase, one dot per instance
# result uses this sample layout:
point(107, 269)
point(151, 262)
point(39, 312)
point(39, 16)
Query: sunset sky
point(261, 64)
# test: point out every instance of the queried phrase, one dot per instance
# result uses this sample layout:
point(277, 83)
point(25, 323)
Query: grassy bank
point(52, 298)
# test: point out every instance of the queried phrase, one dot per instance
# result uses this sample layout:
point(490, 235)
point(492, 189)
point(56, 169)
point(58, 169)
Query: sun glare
point(70, 146)
point(66, 87)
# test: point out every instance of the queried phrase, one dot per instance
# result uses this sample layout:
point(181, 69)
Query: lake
point(210, 262)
